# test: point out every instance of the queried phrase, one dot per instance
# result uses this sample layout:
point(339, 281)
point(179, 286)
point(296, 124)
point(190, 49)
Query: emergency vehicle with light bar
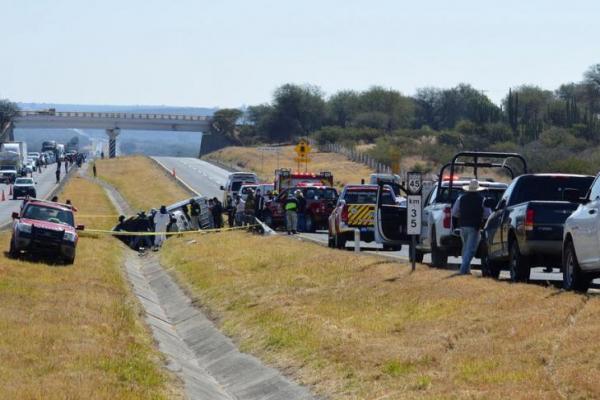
point(355, 209)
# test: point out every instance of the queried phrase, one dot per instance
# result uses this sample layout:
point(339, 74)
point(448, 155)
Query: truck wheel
point(439, 258)
point(518, 264)
point(70, 260)
point(573, 278)
point(489, 269)
point(12, 251)
point(340, 242)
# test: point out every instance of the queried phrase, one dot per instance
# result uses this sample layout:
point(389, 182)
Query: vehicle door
point(585, 226)
point(426, 218)
point(496, 225)
point(390, 218)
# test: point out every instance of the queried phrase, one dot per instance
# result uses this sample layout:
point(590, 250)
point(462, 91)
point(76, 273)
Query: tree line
point(433, 122)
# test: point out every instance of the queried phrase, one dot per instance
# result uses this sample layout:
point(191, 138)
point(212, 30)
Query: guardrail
point(112, 115)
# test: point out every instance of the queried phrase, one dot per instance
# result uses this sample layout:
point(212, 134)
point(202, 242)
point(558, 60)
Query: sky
point(229, 53)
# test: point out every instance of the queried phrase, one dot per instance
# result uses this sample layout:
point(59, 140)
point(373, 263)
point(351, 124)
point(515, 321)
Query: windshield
point(43, 213)
point(7, 168)
point(367, 197)
point(495, 194)
point(320, 193)
point(24, 181)
point(550, 188)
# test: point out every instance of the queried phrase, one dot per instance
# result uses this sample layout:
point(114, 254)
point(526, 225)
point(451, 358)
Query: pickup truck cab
point(234, 183)
point(581, 242)
point(355, 209)
point(526, 228)
point(438, 235)
point(47, 228)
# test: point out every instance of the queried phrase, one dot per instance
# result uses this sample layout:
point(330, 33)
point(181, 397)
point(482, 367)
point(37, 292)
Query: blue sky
point(233, 52)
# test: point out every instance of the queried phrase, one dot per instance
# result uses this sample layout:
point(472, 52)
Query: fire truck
point(318, 191)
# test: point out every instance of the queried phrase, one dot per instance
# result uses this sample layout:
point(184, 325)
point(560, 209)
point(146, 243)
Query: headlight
point(69, 236)
point(25, 228)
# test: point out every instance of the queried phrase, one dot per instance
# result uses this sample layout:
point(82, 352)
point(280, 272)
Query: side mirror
point(489, 203)
point(572, 195)
point(80, 227)
point(221, 187)
point(15, 215)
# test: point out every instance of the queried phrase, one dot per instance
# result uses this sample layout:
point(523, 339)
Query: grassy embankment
point(140, 181)
point(359, 327)
point(73, 332)
point(264, 163)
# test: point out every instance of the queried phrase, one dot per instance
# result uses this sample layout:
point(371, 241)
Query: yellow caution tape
point(129, 233)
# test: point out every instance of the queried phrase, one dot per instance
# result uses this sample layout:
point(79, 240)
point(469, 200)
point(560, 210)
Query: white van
point(234, 183)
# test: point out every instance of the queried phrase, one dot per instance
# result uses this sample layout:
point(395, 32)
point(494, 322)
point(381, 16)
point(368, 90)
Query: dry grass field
point(73, 332)
point(362, 327)
point(264, 163)
point(139, 180)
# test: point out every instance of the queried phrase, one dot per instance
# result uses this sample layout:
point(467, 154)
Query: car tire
point(489, 269)
point(518, 264)
point(340, 242)
point(70, 260)
point(330, 241)
point(439, 258)
point(12, 250)
point(573, 277)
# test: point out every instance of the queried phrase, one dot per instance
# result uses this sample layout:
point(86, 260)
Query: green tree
point(8, 110)
point(342, 107)
point(224, 122)
point(297, 111)
point(377, 101)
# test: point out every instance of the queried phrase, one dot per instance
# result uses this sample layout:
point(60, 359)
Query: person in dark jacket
point(470, 213)
point(249, 207)
point(195, 214)
point(259, 204)
point(217, 212)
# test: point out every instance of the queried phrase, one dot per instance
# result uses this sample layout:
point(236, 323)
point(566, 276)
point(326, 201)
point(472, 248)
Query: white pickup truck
point(437, 231)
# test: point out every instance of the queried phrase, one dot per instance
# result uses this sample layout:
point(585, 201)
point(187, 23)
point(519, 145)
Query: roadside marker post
point(356, 241)
point(413, 211)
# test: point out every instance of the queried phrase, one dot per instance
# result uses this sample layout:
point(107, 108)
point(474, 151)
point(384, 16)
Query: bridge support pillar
point(200, 147)
point(7, 132)
point(112, 141)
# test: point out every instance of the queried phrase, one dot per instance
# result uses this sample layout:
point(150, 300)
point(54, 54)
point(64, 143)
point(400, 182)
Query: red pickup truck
point(47, 228)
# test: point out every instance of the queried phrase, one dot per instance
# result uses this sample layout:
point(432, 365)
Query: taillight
point(345, 214)
point(529, 216)
point(447, 217)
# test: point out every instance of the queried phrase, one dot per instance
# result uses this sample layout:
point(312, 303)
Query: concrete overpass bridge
point(111, 122)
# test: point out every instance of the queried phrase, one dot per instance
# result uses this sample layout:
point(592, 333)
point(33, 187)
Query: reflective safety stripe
point(291, 207)
point(361, 214)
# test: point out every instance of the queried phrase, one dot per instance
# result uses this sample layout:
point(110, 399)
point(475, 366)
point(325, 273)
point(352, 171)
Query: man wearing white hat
point(470, 212)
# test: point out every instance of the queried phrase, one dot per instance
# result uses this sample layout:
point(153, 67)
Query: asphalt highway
point(46, 182)
point(206, 178)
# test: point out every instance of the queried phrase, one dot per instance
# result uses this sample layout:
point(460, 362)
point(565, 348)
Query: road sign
point(413, 211)
point(415, 183)
point(302, 148)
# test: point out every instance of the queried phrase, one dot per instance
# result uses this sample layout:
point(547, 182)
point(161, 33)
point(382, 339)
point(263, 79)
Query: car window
point(24, 181)
point(368, 197)
point(595, 189)
point(48, 214)
point(549, 188)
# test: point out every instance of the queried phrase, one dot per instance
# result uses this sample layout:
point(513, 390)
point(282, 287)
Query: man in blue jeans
point(470, 212)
